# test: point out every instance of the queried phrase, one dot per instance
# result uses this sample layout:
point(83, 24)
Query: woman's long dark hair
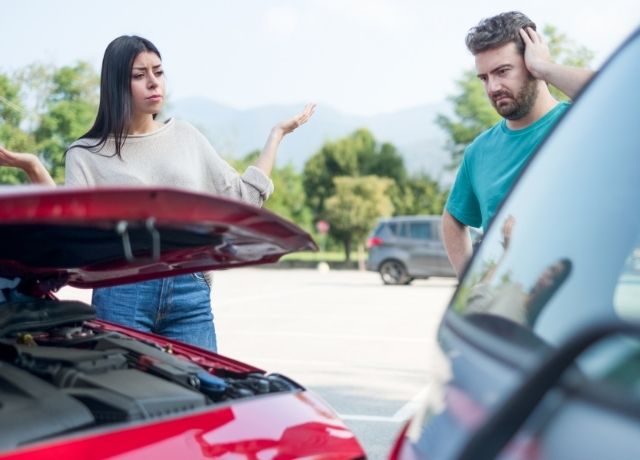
point(115, 109)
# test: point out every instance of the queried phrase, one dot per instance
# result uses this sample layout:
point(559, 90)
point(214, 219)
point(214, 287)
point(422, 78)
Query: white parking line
point(411, 406)
point(368, 418)
point(400, 416)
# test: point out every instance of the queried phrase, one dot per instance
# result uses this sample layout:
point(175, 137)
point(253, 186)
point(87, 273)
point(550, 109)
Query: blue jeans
point(177, 307)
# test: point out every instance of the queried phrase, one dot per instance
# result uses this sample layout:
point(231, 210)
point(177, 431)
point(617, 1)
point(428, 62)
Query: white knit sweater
point(176, 155)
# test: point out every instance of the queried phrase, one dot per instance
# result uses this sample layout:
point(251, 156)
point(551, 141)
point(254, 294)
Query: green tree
point(44, 109)
point(12, 113)
point(420, 194)
point(565, 51)
point(69, 111)
point(472, 110)
point(358, 154)
point(355, 206)
point(11, 108)
point(288, 199)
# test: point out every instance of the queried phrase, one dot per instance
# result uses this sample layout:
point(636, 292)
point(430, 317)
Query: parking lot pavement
point(366, 348)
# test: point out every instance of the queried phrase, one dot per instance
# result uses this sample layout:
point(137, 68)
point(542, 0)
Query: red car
point(72, 386)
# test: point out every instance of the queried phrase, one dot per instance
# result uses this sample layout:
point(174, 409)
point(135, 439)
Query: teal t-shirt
point(490, 165)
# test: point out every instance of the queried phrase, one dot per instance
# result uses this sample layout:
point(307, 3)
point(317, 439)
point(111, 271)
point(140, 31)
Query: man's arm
point(537, 58)
point(456, 241)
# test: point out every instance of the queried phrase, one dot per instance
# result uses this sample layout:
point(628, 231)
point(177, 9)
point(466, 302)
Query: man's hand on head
point(537, 56)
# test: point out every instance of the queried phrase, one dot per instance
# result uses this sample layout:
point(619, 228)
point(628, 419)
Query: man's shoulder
point(563, 106)
point(484, 137)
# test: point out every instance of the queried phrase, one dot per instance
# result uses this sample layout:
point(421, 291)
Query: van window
point(420, 230)
point(385, 230)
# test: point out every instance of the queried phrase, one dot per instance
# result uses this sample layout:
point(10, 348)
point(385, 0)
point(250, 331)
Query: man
point(515, 66)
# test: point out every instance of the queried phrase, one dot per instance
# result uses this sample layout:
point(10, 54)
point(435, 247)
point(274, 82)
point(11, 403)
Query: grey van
point(403, 248)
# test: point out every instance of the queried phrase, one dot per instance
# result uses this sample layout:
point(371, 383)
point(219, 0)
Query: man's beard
point(519, 106)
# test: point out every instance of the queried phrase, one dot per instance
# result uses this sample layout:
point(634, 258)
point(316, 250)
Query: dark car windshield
point(563, 253)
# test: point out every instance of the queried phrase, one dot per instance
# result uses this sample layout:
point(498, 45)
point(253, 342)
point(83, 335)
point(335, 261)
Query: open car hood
point(100, 237)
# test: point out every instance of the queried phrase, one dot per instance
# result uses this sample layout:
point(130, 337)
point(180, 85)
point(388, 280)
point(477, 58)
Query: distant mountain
point(234, 133)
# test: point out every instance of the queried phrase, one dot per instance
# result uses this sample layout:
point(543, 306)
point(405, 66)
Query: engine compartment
point(60, 374)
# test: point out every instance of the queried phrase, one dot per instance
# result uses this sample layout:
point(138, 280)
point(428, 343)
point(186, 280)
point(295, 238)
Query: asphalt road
point(366, 348)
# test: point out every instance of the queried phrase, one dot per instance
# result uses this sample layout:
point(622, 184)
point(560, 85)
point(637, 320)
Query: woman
point(128, 146)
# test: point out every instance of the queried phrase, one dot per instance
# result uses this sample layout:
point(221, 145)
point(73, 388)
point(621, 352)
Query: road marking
point(368, 418)
point(412, 405)
point(401, 415)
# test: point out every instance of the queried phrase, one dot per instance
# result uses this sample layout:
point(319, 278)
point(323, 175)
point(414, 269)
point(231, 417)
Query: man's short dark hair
point(498, 31)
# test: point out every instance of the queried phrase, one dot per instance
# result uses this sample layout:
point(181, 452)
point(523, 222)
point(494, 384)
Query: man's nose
point(493, 85)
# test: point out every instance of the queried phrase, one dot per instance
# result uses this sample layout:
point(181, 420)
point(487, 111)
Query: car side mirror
point(491, 438)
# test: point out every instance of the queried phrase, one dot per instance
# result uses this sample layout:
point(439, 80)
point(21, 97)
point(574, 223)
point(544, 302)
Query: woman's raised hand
point(287, 126)
point(13, 159)
point(29, 163)
point(267, 158)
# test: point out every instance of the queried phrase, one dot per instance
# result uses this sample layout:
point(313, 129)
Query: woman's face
point(147, 84)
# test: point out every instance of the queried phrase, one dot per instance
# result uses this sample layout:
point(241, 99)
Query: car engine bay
point(59, 375)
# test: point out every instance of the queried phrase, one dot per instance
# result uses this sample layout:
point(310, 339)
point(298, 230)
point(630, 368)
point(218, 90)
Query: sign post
point(322, 226)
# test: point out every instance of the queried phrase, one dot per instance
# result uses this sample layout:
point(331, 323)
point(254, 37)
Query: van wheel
point(393, 272)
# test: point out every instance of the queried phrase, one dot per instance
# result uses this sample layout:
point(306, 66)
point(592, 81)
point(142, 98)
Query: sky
point(361, 57)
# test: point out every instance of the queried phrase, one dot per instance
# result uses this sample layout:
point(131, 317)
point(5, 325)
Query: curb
point(288, 264)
